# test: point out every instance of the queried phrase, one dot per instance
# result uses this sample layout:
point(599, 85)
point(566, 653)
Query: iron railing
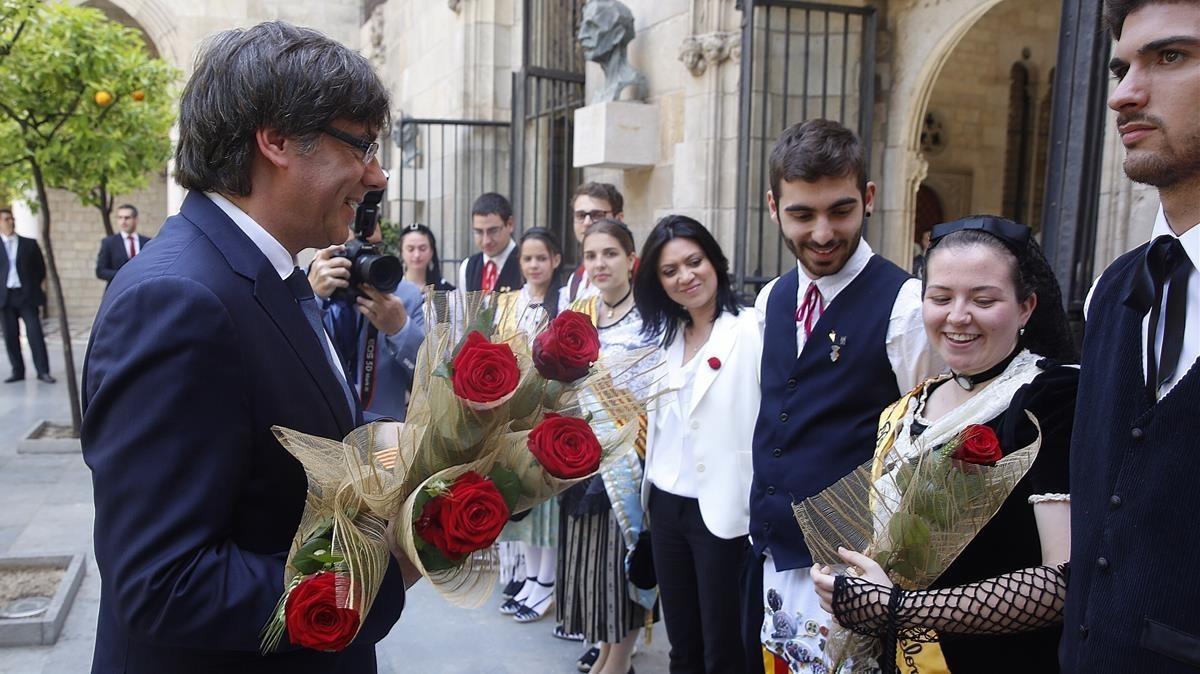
point(443, 165)
point(800, 61)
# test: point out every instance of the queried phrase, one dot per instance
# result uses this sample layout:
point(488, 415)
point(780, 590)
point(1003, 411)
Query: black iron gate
point(442, 166)
point(546, 92)
point(800, 60)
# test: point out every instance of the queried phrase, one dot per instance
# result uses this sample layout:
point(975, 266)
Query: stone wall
point(970, 98)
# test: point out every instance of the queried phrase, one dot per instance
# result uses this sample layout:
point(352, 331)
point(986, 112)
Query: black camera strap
point(366, 388)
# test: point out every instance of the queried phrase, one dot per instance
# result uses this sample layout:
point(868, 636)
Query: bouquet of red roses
point(495, 425)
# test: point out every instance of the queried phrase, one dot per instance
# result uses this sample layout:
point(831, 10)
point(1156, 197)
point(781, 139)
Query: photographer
point(377, 334)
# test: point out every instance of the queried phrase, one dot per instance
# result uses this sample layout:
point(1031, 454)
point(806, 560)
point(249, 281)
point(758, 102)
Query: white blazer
point(721, 418)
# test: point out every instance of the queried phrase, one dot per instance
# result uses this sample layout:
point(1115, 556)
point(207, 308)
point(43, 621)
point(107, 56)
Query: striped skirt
point(591, 595)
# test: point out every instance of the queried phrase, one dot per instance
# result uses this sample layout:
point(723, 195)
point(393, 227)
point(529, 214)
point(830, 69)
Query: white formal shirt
point(500, 260)
point(583, 292)
point(912, 359)
point(279, 257)
point(137, 245)
point(666, 464)
point(10, 249)
point(1191, 331)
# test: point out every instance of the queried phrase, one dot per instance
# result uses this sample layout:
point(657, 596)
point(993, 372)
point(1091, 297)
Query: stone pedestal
point(616, 135)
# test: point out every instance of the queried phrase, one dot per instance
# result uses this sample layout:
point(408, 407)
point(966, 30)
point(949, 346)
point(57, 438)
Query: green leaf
point(508, 484)
point(433, 559)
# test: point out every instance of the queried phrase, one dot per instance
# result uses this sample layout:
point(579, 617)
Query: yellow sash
point(911, 657)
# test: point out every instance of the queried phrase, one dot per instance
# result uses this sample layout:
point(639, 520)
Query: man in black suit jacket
point(209, 338)
point(22, 272)
point(120, 248)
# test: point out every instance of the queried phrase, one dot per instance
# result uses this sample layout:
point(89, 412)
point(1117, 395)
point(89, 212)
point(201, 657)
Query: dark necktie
point(302, 291)
point(810, 309)
point(345, 334)
point(132, 252)
point(1166, 260)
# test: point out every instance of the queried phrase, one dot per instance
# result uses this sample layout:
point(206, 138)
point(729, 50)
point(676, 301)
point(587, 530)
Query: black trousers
point(17, 307)
point(698, 584)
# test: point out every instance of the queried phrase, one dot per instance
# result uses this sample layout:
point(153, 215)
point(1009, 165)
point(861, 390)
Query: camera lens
point(382, 272)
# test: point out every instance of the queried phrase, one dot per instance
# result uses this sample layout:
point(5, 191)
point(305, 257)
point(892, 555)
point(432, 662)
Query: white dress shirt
point(670, 468)
point(500, 260)
point(1191, 330)
point(279, 257)
point(10, 249)
point(908, 350)
point(126, 237)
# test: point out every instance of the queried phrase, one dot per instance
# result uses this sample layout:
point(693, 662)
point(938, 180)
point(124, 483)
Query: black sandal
point(588, 659)
point(511, 605)
point(527, 614)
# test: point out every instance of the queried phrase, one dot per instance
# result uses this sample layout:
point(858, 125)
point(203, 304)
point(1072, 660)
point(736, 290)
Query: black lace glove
point(1020, 601)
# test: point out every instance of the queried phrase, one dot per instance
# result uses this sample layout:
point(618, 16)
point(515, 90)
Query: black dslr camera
point(367, 263)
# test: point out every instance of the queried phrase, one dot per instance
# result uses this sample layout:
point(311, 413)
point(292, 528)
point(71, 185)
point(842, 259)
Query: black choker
point(621, 301)
point(968, 382)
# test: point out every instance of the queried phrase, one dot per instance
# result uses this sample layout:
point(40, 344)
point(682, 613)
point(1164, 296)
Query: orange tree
point(83, 107)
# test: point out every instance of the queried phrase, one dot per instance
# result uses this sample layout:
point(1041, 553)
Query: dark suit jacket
point(31, 269)
point(113, 254)
point(198, 349)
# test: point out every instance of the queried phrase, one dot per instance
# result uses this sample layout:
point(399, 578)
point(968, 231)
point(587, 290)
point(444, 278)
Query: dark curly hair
point(1047, 333)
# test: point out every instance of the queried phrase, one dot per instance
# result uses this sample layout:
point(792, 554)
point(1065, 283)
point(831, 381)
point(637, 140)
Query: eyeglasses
point(369, 148)
point(581, 216)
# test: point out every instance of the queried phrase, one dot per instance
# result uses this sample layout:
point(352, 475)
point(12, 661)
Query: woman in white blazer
point(698, 469)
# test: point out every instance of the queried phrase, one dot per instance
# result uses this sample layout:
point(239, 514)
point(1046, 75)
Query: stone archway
point(152, 17)
point(957, 56)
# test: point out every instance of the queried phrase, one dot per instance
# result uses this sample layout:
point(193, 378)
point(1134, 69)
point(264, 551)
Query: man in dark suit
point(22, 272)
point(210, 337)
point(120, 248)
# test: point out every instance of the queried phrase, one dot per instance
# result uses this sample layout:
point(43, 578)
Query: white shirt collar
point(831, 285)
point(1190, 238)
point(8, 238)
point(283, 261)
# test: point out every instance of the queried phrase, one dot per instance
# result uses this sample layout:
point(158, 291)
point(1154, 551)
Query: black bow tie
point(1165, 261)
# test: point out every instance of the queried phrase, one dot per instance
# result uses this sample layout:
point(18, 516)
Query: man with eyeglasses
point(210, 337)
point(592, 201)
point(494, 267)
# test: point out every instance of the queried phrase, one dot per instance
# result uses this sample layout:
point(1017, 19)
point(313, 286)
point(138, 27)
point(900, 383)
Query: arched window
point(1017, 178)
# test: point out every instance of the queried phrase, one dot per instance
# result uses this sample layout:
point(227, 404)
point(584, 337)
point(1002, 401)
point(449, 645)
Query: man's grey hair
point(275, 75)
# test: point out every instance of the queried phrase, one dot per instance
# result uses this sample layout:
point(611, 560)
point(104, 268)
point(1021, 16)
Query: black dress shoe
point(13, 378)
point(46, 378)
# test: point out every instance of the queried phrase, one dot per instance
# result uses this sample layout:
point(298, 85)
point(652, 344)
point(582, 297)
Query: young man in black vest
point(842, 339)
point(1135, 546)
point(494, 267)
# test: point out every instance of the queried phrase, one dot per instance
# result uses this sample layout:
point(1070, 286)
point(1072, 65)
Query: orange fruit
point(138, 95)
point(103, 98)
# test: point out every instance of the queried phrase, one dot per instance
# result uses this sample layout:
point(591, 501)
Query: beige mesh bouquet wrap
point(489, 432)
point(913, 509)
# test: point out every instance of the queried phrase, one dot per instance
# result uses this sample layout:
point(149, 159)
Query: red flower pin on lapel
point(714, 363)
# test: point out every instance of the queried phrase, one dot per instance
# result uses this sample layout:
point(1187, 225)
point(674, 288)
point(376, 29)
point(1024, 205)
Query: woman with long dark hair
point(700, 429)
point(419, 253)
point(993, 311)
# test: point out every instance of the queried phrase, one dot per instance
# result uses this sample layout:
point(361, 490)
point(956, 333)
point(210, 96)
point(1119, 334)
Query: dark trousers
point(697, 581)
point(17, 307)
point(752, 609)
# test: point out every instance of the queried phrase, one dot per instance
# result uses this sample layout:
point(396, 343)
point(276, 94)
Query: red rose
point(467, 518)
point(565, 446)
point(714, 363)
point(313, 617)
point(979, 445)
point(566, 349)
point(485, 374)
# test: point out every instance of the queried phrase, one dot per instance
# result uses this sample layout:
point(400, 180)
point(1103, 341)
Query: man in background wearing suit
point(494, 267)
point(210, 337)
point(22, 273)
point(118, 249)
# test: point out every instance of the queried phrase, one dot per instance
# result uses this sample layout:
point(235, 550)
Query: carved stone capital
point(698, 52)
